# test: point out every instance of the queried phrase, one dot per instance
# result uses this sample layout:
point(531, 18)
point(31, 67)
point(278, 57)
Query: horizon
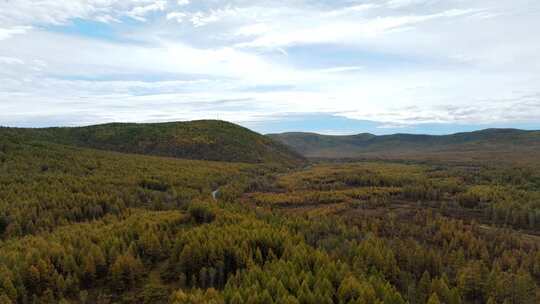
point(334, 67)
point(463, 129)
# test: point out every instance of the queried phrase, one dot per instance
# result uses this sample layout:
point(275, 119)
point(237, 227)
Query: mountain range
point(468, 145)
point(224, 141)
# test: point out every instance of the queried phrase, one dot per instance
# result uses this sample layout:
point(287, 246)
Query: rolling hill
point(84, 225)
point(202, 140)
point(468, 145)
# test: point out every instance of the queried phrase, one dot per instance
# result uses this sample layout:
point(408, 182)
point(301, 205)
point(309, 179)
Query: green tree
point(349, 290)
point(424, 287)
point(471, 281)
point(126, 271)
point(4, 299)
point(433, 299)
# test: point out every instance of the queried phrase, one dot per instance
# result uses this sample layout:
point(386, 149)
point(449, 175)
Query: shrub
point(201, 213)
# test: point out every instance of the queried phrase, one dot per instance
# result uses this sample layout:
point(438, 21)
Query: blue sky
point(335, 67)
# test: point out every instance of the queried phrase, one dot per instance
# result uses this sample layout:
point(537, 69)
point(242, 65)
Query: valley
point(509, 146)
point(118, 214)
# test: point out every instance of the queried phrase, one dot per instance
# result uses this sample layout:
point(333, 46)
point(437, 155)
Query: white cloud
point(342, 69)
point(177, 16)
point(168, 58)
point(253, 29)
point(50, 11)
point(140, 12)
point(6, 33)
point(202, 19)
point(399, 61)
point(345, 31)
point(355, 9)
point(58, 12)
point(10, 60)
point(405, 3)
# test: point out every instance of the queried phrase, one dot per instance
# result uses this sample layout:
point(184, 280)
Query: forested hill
point(81, 226)
point(202, 140)
point(403, 145)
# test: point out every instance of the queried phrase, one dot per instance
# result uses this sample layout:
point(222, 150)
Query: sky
point(327, 66)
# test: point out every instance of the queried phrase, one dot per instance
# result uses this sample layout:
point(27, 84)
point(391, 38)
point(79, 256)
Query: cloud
point(342, 69)
point(58, 12)
point(406, 3)
point(51, 11)
point(10, 60)
point(140, 12)
point(201, 18)
point(396, 62)
point(6, 33)
point(346, 31)
point(253, 29)
point(355, 9)
point(177, 16)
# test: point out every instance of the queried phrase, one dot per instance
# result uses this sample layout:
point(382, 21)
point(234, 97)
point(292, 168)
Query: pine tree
point(265, 298)
point(4, 299)
point(290, 300)
point(89, 270)
point(471, 283)
point(524, 289)
point(126, 271)
point(150, 246)
point(349, 290)
point(6, 286)
point(424, 287)
point(33, 279)
point(236, 298)
point(433, 299)
point(304, 295)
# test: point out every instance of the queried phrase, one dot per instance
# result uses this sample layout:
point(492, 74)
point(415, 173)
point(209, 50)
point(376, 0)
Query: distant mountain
point(470, 144)
point(203, 140)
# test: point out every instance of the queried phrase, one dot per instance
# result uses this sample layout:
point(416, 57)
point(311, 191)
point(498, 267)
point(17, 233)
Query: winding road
point(215, 193)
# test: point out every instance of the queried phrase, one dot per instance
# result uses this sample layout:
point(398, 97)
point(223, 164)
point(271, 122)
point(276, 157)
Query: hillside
point(80, 225)
point(46, 185)
point(202, 140)
point(468, 145)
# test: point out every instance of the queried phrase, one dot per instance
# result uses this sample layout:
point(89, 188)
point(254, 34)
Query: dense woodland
point(202, 140)
point(92, 226)
point(489, 145)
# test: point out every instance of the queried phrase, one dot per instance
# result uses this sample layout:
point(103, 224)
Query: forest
point(79, 225)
